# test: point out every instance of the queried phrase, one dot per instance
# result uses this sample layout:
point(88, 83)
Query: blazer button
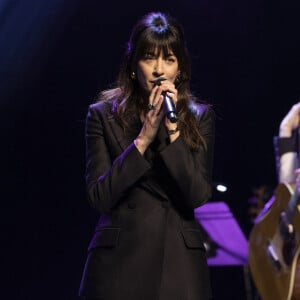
point(131, 205)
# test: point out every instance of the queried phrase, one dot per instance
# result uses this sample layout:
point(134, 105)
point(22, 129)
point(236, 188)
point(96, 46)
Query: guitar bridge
point(273, 257)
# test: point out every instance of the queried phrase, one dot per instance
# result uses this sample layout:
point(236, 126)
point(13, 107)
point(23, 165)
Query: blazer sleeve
point(192, 170)
point(108, 179)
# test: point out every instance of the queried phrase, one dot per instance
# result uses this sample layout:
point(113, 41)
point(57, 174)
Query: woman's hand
point(290, 121)
point(152, 120)
point(155, 114)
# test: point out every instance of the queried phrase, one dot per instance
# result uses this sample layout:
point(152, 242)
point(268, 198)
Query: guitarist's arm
point(286, 146)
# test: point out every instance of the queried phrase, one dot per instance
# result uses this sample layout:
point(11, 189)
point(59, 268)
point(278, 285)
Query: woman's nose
point(158, 68)
point(157, 74)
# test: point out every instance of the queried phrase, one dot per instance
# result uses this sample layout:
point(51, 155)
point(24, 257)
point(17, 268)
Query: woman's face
point(155, 65)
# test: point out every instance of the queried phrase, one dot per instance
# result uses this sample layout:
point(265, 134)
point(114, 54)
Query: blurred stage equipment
point(225, 242)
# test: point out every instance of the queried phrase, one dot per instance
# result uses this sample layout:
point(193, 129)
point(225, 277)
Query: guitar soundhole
point(288, 250)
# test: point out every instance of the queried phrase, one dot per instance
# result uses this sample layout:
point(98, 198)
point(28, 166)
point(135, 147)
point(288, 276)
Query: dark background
point(55, 56)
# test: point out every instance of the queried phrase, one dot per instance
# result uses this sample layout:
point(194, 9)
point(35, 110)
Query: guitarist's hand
point(290, 121)
point(297, 171)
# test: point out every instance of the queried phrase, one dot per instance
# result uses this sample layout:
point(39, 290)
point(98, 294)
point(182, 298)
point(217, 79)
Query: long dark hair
point(161, 32)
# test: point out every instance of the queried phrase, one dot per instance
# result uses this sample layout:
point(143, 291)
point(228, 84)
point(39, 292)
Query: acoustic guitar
point(274, 246)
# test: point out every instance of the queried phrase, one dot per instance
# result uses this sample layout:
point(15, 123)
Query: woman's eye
point(148, 57)
point(170, 59)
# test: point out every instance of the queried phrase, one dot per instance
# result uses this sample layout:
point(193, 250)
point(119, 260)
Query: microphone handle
point(170, 109)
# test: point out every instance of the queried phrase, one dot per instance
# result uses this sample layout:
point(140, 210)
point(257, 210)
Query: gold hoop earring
point(178, 77)
point(133, 76)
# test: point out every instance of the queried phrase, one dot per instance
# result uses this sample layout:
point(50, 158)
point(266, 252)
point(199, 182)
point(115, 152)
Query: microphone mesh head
point(159, 80)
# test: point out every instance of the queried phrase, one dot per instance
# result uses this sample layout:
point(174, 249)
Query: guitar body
point(274, 262)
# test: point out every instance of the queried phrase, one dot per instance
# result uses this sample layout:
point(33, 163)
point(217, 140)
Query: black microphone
point(168, 103)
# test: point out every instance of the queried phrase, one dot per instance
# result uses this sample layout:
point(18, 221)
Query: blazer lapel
point(118, 133)
point(151, 184)
point(124, 139)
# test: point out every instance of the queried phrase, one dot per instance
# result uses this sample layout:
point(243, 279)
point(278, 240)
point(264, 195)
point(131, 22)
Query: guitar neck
point(292, 205)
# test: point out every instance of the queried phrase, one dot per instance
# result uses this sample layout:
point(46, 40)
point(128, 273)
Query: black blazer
point(147, 244)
